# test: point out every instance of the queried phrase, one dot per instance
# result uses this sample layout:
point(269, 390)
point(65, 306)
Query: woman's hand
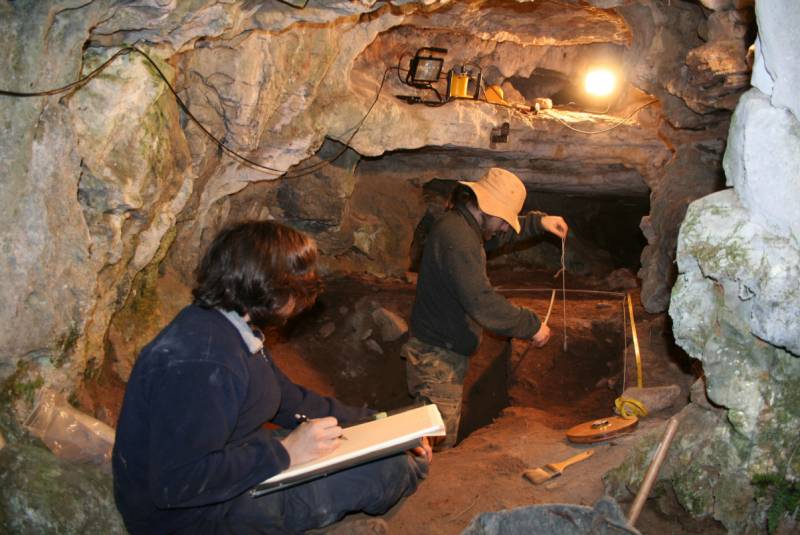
point(555, 224)
point(312, 439)
point(424, 450)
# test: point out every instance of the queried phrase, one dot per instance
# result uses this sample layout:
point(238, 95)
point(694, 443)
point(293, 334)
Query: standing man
point(455, 299)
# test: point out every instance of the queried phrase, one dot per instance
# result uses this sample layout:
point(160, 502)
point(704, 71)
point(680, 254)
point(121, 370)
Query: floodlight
point(600, 82)
point(425, 69)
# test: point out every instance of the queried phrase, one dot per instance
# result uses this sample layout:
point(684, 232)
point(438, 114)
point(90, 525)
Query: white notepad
point(364, 442)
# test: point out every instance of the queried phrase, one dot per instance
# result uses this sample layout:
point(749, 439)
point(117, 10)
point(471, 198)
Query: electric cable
point(305, 3)
point(229, 151)
point(76, 84)
point(623, 121)
point(315, 167)
point(400, 69)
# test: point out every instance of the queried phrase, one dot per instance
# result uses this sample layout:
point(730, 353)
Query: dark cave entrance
point(607, 222)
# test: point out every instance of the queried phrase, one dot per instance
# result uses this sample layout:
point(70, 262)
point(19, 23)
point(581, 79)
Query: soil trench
point(518, 401)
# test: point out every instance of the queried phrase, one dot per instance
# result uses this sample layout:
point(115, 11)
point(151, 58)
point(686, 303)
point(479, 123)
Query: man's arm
point(492, 311)
point(531, 225)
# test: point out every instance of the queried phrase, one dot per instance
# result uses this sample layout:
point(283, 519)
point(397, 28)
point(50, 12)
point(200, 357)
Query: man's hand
point(424, 450)
point(541, 337)
point(312, 439)
point(555, 224)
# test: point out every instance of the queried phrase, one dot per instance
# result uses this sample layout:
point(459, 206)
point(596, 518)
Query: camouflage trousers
point(436, 375)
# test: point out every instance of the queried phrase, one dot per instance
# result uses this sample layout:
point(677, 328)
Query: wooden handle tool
point(539, 475)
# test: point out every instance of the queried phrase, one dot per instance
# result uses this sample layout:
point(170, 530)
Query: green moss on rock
point(40, 493)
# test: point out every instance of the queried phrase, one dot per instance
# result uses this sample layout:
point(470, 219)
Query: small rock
point(343, 310)
point(391, 325)
point(374, 346)
point(327, 329)
point(654, 398)
point(366, 334)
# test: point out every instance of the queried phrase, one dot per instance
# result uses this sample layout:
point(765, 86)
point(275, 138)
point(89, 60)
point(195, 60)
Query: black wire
point(294, 5)
point(235, 155)
point(77, 84)
point(400, 61)
point(320, 165)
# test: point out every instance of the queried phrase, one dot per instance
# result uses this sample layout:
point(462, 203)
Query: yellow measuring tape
point(630, 408)
point(639, 381)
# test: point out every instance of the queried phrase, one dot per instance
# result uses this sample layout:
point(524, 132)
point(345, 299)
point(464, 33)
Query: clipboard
point(365, 442)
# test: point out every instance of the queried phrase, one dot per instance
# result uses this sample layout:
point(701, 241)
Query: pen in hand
point(302, 418)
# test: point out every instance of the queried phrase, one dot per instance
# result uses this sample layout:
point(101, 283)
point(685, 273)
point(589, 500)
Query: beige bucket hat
point(501, 194)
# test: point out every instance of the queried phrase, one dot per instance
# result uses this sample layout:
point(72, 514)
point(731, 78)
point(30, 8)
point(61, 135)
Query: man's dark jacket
point(190, 431)
point(454, 297)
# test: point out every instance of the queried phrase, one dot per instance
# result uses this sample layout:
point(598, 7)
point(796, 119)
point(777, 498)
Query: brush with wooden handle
point(539, 475)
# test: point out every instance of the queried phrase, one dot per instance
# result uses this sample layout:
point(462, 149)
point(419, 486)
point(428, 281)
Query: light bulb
point(600, 82)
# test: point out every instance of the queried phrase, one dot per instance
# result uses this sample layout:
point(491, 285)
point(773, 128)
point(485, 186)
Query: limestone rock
point(373, 346)
point(763, 151)
point(38, 494)
point(705, 467)
point(755, 270)
point(327, 329)
point(391, 325)
point(605, 518)
point(777, 33)
point(734, 307)
point(761, 79)
point(654, 398)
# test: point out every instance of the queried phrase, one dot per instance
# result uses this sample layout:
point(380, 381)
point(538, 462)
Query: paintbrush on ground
point(539, 475)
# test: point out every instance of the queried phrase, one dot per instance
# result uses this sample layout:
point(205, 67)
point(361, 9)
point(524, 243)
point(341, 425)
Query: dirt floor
point(518, 401)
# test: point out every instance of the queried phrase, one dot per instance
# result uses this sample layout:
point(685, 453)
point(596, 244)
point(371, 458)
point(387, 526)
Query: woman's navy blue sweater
point(190, 432)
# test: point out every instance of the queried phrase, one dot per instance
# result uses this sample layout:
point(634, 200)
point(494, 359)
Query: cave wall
point(736, 308)
point(111, 188)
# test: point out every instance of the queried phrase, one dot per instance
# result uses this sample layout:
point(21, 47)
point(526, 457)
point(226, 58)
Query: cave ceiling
point(275, 82)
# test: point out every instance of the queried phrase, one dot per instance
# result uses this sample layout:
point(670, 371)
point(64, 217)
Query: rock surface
point(736, 307)
point(38, 494)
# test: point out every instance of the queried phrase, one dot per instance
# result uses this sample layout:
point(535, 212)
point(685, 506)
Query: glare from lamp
point(600, 82)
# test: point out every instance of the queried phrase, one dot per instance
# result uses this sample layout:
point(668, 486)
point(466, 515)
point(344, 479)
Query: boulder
point(40, 493)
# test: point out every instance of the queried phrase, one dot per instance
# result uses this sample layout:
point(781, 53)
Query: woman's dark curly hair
point(260, 268)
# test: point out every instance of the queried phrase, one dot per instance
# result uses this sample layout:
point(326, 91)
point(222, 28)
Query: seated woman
point(191, 440)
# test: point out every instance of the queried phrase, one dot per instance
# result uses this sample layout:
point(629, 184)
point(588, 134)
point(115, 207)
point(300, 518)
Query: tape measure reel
point(601, 429)
point(629, 408)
